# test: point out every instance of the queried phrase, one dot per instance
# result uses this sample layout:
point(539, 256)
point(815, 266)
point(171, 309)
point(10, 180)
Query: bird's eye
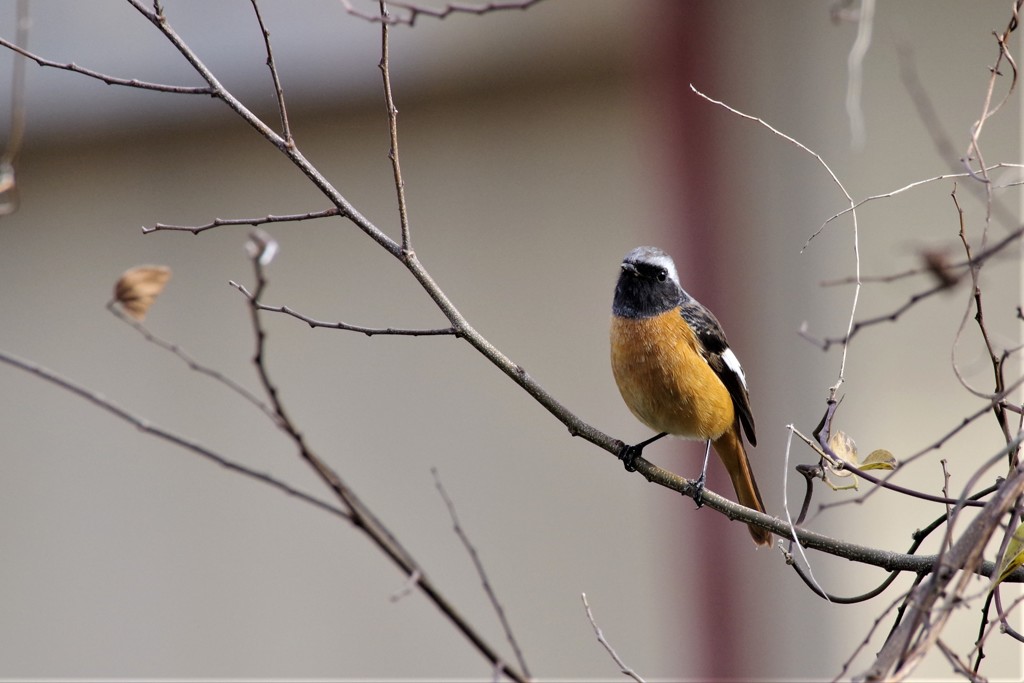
point(662, 275)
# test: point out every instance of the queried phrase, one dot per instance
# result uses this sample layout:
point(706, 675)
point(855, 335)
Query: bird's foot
point(698, 491)
point(628, 455)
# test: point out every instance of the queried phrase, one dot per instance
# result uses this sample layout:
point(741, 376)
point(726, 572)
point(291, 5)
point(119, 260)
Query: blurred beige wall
point(537, 147)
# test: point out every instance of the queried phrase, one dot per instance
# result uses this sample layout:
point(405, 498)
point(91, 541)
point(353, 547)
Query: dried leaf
point(138, 288)
point(879, 459)
point(938, 264)
point(1014, 555)
point(844, 447)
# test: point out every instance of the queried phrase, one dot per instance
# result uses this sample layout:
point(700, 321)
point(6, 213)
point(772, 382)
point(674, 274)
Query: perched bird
point(676, 372)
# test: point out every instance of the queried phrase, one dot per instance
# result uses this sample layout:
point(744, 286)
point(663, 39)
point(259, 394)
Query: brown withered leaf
point(1013, 557)
point(938, 264)
point(845, 448)
point(879, 459)
point(138, 287)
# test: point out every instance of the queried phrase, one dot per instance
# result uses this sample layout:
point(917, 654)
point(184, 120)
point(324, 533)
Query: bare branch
point(368, 331)
point(286, 130)
point(901, 190)
point(890, 317)
point(625, 670)
point(867, 639)
point(361, 516)
point(389, 102)
point(192, 364)
point(148, 427)
point(823, 450)
point(999, 385)
point(988, 110)
point(974, 261)
point(856, 230)
point(106, 78)
point(414, 11)
point(356, 512)
point(344, 207)
point(902, 649)
point(809, 578)
point(958, 665)
point(481, 572)
point(218, 222)
point(944, 144)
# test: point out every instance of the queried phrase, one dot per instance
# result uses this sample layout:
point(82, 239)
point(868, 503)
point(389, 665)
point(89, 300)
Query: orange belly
point(665, 381)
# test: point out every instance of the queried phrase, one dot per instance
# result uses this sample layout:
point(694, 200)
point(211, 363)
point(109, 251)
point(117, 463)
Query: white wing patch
point(733, 364)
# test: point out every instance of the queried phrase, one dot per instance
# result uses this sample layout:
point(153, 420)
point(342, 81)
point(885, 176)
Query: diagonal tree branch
point(148, 427)
point(414, 11)
point(920, 626)
point(368, 331)
point(361, 516)
point(263, 220)
point(106, 78)
point(286, 130)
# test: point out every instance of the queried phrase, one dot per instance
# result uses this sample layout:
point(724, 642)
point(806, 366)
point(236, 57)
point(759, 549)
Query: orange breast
point(665, 381)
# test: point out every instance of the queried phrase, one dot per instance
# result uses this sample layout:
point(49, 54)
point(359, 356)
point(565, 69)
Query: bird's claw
point(628, 455)
point(698, 491)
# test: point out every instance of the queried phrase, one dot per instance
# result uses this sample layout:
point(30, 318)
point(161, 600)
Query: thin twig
point(944, 144)
point(834, 389)
point(988, 110)
point(146, 426)
point(822, 449)
point(461, 326)
point(481, 572)
point(286, 131)
point(361, 515)
point(625, 670)
point(901, 190)
point(884, 559)
point(900, 652)
point(106, 78)
point(217, 90)
point(989, 626)
point(263, 220)
point(389, 103)
point(368, 331)
point(575, 425)
point(996, 359)
point(919, 537)
point(810, 578)
point(958, 666)
point(891, 317)
point(867, 639)
point(192, 364)
point(414, 11)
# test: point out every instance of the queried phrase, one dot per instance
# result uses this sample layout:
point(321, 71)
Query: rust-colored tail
point(730, 449)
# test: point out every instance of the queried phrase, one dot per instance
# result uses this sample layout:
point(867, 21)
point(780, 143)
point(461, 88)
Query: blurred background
point(538, 147)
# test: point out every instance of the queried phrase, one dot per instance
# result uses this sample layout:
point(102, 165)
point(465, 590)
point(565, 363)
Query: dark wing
point(709, 333)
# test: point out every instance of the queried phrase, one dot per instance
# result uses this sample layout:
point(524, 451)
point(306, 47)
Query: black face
point(644, 290)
